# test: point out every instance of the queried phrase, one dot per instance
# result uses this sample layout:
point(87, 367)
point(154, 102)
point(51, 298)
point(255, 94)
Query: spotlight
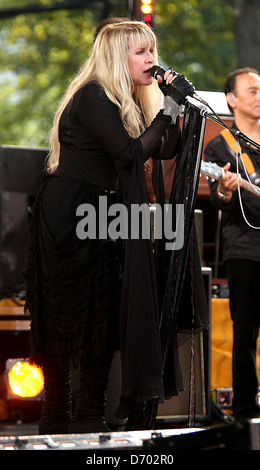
point(23, 381)
point(143, 10)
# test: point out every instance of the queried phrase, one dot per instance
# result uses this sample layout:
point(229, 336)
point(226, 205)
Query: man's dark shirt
point(239, 240)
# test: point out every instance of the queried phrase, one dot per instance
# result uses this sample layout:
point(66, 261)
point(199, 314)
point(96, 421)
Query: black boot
point(143, 415)
point(89, 413)
point(57, 409)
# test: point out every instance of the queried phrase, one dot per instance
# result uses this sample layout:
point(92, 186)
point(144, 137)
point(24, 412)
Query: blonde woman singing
point(112, 119)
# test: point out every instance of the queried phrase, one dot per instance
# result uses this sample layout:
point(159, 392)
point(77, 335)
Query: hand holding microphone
point(174, 96)
point(178, 89)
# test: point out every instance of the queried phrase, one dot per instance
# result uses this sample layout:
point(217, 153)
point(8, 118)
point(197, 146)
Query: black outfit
point(75, 287)
point(241, 255)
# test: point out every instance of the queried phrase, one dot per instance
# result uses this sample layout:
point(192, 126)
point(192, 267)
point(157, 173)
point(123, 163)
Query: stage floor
point(218, 436)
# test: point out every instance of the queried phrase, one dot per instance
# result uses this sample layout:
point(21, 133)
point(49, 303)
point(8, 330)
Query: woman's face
point(140, 61)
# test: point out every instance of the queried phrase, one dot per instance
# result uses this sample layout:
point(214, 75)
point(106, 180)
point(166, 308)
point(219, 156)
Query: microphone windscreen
point(157, 70)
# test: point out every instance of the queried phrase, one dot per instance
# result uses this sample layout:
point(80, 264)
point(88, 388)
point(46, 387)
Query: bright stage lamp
point(24, 380)
point(146, 12)
point(146, 9)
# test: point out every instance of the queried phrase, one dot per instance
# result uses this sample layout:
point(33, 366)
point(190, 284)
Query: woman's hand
point(169, 76)
point(175, 85)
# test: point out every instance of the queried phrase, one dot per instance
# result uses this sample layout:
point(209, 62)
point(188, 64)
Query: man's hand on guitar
point(227, 184)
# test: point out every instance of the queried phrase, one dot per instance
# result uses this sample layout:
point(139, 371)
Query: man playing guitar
point(240, 231)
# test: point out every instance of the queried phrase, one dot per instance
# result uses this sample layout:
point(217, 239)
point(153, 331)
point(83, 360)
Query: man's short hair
point(230, 83)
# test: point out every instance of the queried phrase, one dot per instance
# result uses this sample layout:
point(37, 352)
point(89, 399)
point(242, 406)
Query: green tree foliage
point(41, 52)
point(196, 38)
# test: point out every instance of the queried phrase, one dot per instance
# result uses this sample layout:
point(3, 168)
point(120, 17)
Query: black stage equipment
point(21, 175)
point(177, 408)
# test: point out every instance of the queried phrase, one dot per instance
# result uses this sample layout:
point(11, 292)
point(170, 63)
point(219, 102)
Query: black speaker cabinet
point(21, 175)
point(177, 408)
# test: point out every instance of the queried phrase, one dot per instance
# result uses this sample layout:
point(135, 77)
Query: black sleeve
point(100, 118)
point(162, 138)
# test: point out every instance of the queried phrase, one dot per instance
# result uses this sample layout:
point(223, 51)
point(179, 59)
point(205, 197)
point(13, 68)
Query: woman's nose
point(150, 58)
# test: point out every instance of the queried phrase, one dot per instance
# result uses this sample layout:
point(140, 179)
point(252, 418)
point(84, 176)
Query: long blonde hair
point(108, 65)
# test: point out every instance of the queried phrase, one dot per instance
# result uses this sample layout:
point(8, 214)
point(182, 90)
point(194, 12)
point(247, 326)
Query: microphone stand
point(215, 117)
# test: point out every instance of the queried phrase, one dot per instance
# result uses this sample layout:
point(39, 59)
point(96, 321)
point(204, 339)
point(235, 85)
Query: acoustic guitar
point(214, 172)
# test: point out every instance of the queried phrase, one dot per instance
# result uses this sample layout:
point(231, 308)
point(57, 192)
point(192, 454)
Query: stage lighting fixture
point(143, 10)
point(147, 6)
point(23, 380)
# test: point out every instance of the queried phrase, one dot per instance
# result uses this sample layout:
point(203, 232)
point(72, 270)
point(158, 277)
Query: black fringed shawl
point(150, 317)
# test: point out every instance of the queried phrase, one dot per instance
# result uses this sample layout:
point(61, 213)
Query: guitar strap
point(231, 142)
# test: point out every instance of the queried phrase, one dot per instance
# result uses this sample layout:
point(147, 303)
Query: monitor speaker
point(177, 408)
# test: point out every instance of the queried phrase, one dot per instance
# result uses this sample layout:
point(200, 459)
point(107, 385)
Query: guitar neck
point(215, 172)
point(251, 188)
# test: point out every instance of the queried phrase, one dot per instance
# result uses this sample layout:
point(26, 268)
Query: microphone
point(187, 89)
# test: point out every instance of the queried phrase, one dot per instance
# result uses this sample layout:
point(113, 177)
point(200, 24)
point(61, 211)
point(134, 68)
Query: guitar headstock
point(211, 170)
